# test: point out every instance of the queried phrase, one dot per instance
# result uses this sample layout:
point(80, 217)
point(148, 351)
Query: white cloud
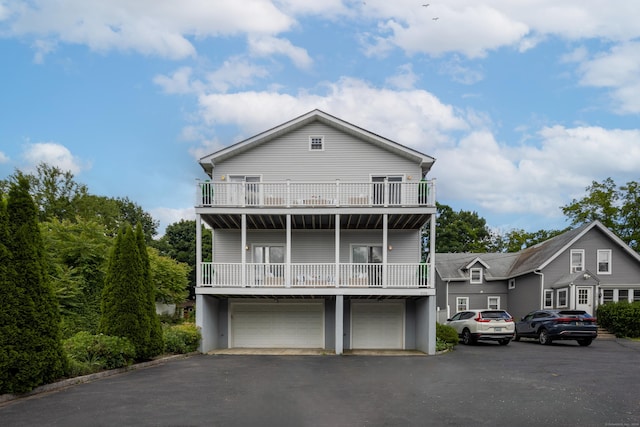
point(411, 117)
point(52, 154)
point(268, 46)
point(535, 179)
point(619, 70)
point(3, 158)
point(150, 27)
point(405, 78)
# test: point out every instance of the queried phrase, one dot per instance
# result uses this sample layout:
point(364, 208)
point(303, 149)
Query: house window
point(493, 303)
point(562, 298)
point(316, 143)
point(462, 304)
point(604, 261)
point(512, 283)
point(636, 295)
point(475, 275)
point(607, 295)
point(623, 295)
point(548, 298)
point(577, 260)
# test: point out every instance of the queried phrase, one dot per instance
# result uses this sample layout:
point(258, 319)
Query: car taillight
point(480, 319)
point(510, 319)
point(565, 319)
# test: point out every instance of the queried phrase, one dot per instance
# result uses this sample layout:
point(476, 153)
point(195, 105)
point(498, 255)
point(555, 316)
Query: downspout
point(541, 306)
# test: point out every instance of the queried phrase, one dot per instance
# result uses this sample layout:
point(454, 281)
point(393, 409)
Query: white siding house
point(317, 240)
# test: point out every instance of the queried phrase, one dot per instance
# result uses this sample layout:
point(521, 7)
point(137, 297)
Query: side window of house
point(493, 303)
point(607, 295)
point(562, 298)
point(475, 275)
point(548, 298)
point(462, 304)
point(512, 283)
point(604, 261)
point(577, 260)
point(316, 143)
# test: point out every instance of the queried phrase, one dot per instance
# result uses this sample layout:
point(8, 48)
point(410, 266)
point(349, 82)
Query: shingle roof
point(452, 266)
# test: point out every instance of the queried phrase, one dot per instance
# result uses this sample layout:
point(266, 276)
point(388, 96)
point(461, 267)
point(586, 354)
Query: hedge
point(620, 318)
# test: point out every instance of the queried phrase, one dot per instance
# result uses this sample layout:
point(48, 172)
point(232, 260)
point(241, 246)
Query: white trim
point(544, 298)
point(466, 304)
point(566, 298)
point(571, 266)
point(314, 137)
point(471, 271)
point(603, 251)
point(497, 299)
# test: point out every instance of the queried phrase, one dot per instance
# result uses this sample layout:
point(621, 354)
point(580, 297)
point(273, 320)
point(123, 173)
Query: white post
point(336, 276)
point(198, 250)
point(339, 324)
point(243, 250)
point(385, 247)
point(287, 271)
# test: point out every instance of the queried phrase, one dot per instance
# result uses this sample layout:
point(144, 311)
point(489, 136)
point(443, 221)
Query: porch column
point(198, 250)
point(243, 250)
point(385, 247)
point(287, 269)
point(339, 324)
point(432, 253)
point(336, 276)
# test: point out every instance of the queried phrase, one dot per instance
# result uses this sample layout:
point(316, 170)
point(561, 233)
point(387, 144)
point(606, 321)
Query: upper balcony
point(290, 194)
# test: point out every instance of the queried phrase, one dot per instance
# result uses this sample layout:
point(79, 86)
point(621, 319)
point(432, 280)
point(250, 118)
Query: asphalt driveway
point(522, 384)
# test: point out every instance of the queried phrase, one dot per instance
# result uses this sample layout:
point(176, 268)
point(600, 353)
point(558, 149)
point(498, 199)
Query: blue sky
point(522, 103)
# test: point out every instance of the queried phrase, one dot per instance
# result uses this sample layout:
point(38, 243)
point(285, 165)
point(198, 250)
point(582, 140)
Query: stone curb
point(59, 385)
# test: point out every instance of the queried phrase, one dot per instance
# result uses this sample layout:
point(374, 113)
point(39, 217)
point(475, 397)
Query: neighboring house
point(579, 269)
point(317, 243)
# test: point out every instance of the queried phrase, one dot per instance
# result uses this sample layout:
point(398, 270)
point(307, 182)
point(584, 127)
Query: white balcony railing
point(315, 194)
point(408, 275)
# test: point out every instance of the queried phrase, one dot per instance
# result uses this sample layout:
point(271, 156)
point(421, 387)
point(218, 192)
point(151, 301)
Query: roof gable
point(539, 256)
point(208, 162)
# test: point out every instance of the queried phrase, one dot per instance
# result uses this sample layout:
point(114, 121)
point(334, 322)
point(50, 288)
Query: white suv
point(474, 325)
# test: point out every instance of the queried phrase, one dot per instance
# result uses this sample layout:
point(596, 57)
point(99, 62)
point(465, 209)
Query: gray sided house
point(579, 269)
point(316, 229)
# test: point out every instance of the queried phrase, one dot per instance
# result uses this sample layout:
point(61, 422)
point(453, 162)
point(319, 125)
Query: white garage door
point(277, 325)
point(378, 325)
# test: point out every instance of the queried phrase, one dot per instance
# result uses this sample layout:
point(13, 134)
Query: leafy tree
point(461, 231)
point(179, 243)
point(77, 256)
point(616, 207)
point(170, 278)
point(9, 303)
point(32, 351)
point(516, 240)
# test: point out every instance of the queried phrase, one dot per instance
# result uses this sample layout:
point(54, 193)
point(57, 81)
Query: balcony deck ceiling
point(359, 221)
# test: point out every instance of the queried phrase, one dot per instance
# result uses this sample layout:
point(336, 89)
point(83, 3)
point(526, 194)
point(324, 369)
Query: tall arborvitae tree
point(8, 306)
point(36, 354)
point(125, 297)
point(156, 343)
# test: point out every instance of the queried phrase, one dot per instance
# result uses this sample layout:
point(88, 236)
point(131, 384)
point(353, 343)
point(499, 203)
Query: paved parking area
point(522, 384)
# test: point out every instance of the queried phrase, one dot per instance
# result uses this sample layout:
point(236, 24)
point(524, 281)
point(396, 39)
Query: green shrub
point(181, 339)
point(620, 318)
point(446, 337)
point(92, 353)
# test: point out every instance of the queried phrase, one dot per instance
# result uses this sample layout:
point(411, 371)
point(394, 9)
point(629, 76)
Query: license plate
point(579, 323)
point(497, 329)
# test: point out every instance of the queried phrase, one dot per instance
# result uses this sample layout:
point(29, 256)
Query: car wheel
point(543, 337)
point(585, 342)
point(504, 341)
point(467, 339)
point(516, 338)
